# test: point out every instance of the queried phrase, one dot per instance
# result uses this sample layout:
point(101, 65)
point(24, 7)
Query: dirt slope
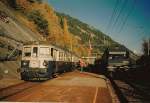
point(18, 32)
point(15, 28)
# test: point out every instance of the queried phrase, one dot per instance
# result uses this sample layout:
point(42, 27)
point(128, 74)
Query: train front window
point(27, 51)
point(35, 51)
point(52, 52)
point(116, 57)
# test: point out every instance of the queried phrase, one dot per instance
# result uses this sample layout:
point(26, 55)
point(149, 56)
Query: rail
point(119, 93)
point(138, 90)
point(14, 89)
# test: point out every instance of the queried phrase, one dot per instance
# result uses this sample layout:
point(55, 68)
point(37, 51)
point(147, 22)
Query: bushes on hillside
point(12, 3)
point(2, 31)
point(144, 60)
point(32, 1)
point(38, 19)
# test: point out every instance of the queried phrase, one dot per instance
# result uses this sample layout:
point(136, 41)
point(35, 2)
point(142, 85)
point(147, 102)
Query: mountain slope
point(99, 40)
point(15, 28)
point(37, 21)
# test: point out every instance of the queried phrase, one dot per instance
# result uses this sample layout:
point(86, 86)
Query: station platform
point(71, 87)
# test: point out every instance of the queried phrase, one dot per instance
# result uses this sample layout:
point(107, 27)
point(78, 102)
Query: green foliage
point(33, 1)
point(62, 23)
point(144, 60)
point(145, 47)
point(12, 3)
point(38, 19)
point(84, 37)
point(2, 31)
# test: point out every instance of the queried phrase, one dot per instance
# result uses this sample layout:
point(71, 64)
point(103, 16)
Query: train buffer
point(72, 87)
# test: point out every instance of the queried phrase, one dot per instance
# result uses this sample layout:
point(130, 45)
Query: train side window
point(52, 52)
point(65, 57)
point(27, 51)
point(35, 51)
point(44, 51)
point(55, 54)
point(60, 55)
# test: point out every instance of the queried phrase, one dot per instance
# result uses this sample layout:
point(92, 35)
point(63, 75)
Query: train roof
point(43, 43)
point(118, 49)
point(37, 43)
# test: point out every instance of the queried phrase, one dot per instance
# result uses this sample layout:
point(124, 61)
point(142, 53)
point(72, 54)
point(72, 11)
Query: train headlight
point(45, 63)
point(25, 63)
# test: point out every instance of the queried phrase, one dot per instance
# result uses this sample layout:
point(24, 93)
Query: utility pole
point(71, 48)
point(104, 40)
point(90, 49)
point(148, 47)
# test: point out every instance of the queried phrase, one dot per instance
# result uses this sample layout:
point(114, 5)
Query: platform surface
point(73, 87)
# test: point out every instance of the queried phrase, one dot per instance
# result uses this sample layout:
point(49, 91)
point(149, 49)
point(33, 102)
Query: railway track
point(118, 91)
point(128, 93)
point(12, 90)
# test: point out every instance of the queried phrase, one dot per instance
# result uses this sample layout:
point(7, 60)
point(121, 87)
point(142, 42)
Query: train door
point(34, 63)
point(55, 56)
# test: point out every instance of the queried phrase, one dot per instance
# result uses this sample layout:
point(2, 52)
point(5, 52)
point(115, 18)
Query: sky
point(125, 21)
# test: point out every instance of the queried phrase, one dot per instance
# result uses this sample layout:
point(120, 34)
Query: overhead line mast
point(148, 46)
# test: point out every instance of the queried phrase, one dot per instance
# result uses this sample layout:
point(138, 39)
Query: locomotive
point(43, 61)
point(118, 60)
point(114, 61)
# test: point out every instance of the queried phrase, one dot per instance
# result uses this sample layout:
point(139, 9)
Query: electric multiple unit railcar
point(118, 60)
point(42, 62)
